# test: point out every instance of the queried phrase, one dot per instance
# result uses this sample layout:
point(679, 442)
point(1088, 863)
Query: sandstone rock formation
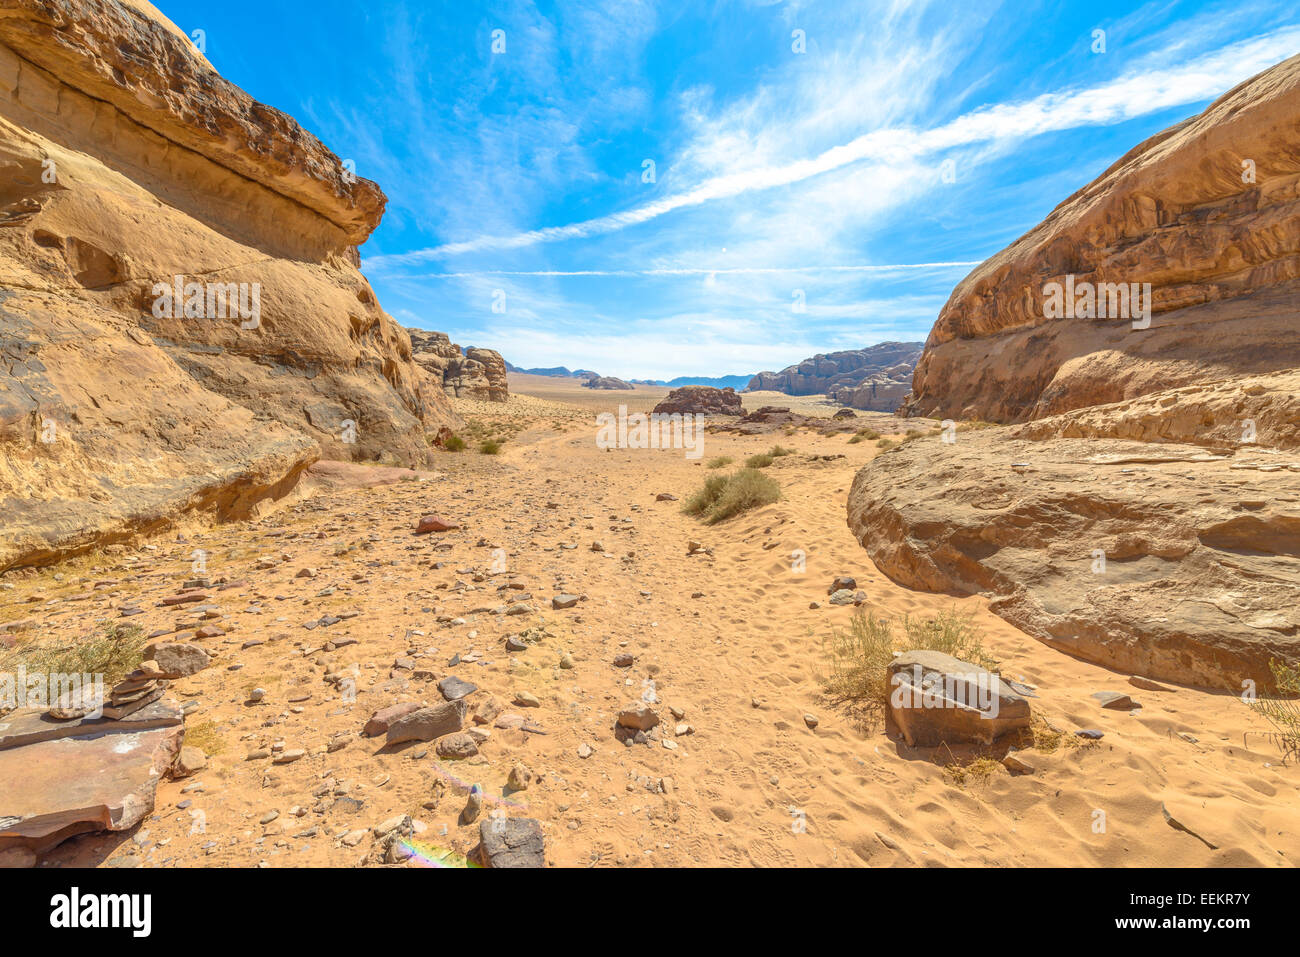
point(1170, 561)
point(84, 775)
point(126, 162)
point(1207, 213)
point(472, 373)
point(705, 399)
point(1146, 515)
point(606, 382)
point(874, 379)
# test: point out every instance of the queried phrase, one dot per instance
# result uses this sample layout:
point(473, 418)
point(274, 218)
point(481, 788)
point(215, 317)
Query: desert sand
point(728, 639)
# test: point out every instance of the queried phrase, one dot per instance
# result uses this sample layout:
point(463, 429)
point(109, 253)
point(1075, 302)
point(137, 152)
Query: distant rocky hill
point(560, 372)
point(717, 382)
point(471, 373)
point(606, 382)
point(874, 379)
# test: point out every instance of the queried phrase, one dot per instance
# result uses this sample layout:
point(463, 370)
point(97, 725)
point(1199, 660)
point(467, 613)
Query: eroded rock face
point(1218, 242)
point(125, 162)
point(607, 382)
point(472, 373)
point(874, 379)
point(690, 399)
point(1171, 561)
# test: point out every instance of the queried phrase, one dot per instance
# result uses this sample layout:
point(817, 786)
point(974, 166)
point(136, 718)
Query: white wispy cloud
point(1139, 92)
point(737, 271)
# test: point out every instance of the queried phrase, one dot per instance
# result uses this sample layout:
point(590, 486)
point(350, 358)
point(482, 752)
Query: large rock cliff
point(1146, 513)
point(1207, 213)
point(874, 379)
point(126, 162)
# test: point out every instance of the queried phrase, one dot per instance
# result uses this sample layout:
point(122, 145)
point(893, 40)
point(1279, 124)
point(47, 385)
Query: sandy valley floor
point(728, 639)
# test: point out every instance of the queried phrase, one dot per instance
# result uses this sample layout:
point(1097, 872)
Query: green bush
point(720, 461)
point(455, 444)
point(490, 447)
point(723, 496)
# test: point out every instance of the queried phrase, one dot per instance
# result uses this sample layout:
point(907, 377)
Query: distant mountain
point(736, 382)
point(876, 378)
point(554, 371)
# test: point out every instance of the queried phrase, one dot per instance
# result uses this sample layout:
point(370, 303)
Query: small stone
point(810, 720)
point(638, 717)
point(514, 843)
point(1115, 700)
point(519, 779)
point(433, 523)
point(453, 688)
point(564, 601)
point(288, 757)
point(1012, 762)
point(473, 805)
point(1091, 734)
point(190, 761)
point(1146, 684)
point(178, 660)
point(623, 661)
point(457, 746)
point(842, 583)
point(383, 719)
point(525, 699)
point(585, 750)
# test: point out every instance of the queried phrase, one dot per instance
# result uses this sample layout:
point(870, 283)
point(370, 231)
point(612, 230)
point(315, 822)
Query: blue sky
point(518, 177)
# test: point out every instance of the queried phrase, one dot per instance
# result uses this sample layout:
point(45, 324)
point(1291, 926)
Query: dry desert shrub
point(723, 496)
point(490, 447)
point(763, 459)
point(1282, 709)
point(719, 461)
point(455, 444)
point(858, 659)
point(113, 652)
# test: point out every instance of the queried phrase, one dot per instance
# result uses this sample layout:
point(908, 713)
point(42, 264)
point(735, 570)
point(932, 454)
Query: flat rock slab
point(453, 688)
point(1156, 569)
point(76, 785)
point(31, 727)
point(516, 842)
point(1115, 700)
